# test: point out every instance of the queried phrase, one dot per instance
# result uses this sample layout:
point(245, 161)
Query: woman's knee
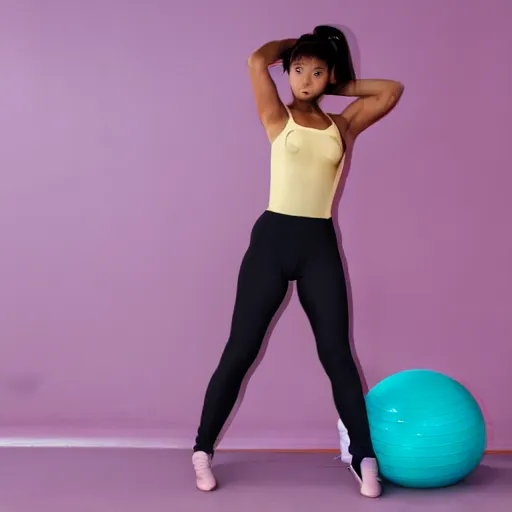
point(236, 360)
point(335, 361)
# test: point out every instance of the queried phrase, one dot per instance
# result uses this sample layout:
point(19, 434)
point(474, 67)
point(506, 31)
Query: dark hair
point(328, 44)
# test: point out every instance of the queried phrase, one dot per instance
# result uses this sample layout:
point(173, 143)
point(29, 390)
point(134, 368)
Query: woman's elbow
point(399, 89)
point(255, 60)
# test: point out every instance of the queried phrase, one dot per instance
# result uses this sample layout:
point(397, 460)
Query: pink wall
point(133, 167)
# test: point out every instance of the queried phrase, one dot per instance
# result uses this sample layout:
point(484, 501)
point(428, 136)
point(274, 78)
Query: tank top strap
point(330, 118)
point(289, 112)
point(334, 126)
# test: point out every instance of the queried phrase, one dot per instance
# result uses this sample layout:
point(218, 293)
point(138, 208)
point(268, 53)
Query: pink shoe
point(369, 479)
point(202, 463)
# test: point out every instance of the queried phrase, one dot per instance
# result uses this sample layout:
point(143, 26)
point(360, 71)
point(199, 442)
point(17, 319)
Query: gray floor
point(90, 480)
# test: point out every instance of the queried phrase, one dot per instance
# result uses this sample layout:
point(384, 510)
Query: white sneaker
point(369, 480)
point(202, 462)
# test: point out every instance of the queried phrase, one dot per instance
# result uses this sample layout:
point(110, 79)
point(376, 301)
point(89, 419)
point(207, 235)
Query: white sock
point(344, 443)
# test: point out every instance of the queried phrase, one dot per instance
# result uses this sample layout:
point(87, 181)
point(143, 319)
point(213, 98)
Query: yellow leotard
point(305, 169)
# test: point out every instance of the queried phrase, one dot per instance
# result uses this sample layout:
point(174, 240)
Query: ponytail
point(343, 64)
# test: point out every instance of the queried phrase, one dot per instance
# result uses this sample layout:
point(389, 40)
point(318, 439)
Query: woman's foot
point(202, 463)
point(367, 474)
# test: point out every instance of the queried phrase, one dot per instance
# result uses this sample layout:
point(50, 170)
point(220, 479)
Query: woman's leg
point(261, 289)
point(323, 295)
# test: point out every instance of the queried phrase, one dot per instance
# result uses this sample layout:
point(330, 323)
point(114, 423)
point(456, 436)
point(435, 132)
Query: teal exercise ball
point(427, 429)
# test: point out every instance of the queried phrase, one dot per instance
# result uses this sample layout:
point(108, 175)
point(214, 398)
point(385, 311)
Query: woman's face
point(308, 78)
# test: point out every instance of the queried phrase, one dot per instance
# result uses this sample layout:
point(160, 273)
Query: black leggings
point(285, 248)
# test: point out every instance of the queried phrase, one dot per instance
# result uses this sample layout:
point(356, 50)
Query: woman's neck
point(308, 107)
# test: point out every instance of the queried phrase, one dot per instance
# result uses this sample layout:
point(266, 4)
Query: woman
point(295, 240)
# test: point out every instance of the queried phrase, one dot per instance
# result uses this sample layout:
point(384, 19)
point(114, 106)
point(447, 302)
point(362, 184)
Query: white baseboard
point(159, 442)
point(90, 442)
